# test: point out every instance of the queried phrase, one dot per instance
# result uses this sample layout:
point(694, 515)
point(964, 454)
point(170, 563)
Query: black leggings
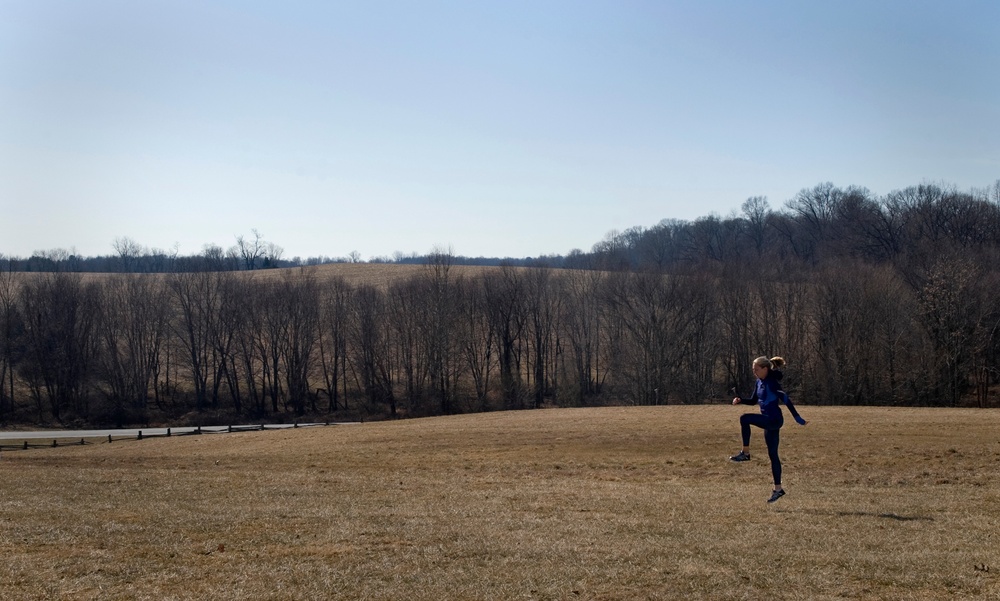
point(772, 428)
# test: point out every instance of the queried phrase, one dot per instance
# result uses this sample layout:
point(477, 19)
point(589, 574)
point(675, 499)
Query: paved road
point(134, 432)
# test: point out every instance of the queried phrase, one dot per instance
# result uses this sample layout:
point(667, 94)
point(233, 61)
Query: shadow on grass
point(860, 514)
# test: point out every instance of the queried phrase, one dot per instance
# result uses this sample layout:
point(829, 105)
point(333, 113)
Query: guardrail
point(68, 438)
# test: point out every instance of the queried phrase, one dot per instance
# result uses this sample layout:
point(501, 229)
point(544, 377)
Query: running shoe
point(776, 495)
point(740, 457)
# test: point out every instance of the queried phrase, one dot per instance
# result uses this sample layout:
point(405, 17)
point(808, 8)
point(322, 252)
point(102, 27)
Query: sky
point(503, 129)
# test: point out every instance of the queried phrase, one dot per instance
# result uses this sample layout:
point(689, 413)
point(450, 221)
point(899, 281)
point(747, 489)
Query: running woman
point(768, 394)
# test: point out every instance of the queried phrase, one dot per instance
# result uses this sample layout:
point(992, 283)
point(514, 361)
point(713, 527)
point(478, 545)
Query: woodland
point(872, 300)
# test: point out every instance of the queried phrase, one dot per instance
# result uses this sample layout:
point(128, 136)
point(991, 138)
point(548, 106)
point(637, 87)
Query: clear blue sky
point(496, 128)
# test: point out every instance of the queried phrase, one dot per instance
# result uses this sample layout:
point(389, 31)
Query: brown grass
point(380, 275)
point(611, 503)
point(376, 274)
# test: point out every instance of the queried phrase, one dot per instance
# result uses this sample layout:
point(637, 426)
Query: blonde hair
point(772, 363)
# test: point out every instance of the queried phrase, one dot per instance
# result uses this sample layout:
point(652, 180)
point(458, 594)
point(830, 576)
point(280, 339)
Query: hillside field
point(607, 503)
point(380, 275)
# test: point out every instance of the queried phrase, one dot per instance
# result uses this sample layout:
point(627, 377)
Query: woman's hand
point(737, 400)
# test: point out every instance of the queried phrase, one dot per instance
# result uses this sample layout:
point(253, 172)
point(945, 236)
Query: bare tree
point(543, 297)
point(713, 238)
point(251, 251)
point(271, 340)
point(756, 211)
point(129, 251)
point(333, 340)
point(884, 228)
point(951, 310)
point(214, 257)
point(477, 338)
point(223, 335)
point(893, 331)
point(662, 245)
point(445, 366)
point(60, 314)
point(816, 208)
point(372, 360)
point(198, 302)
point(582, 323)
point(248, 360)
point(11, 328)
point(640, 301)
point(613, 252)
point(697, 332)
point(132, 329)
point(299, 300)
point(504, 298)
point(410, 315)
point(272, 254)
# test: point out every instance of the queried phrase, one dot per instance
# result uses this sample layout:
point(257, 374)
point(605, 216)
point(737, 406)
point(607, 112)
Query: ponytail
point(772, 363)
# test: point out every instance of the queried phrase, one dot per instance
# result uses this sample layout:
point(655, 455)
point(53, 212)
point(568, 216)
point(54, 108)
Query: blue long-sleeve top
point(769, 395)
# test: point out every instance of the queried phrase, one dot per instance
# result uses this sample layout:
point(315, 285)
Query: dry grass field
point(610, 503)
point(380, 275)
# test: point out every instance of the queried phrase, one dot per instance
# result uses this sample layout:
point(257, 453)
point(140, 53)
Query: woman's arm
point(742, 401)
point(791, 408)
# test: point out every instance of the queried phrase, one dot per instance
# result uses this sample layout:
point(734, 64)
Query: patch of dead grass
point(611, 503)
point(380, 275)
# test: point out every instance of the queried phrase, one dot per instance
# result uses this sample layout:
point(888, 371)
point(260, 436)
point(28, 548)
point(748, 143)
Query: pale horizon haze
point(507, 129)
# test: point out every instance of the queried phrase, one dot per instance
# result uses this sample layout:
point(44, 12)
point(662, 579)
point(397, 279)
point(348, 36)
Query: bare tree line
point(249, 253)
point(129, 348)
point(908, 228)
point(857, 289)
point(873, 301)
